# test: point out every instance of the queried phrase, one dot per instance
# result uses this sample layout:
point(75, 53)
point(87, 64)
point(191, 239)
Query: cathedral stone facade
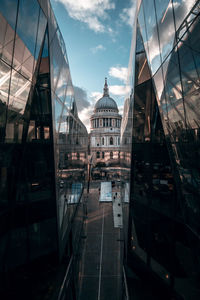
point(105, 130)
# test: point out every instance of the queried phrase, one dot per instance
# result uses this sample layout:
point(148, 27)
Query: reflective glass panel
point(58, 111)
point(152, 35)
point(4, 81)
point(19, 92)
point(161, 98)
point(142, 25)
point(174, 97)
point(9, 10)
point(141, 63)
point(6, 40)
point(165, 19)
point(181, 10)
point(27, 23)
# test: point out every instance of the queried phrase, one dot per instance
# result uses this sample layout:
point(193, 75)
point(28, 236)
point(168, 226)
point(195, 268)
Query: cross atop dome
point(105, 90)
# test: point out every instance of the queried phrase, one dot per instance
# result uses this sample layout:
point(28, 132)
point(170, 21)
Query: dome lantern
point(106, 102)
point(105, 90)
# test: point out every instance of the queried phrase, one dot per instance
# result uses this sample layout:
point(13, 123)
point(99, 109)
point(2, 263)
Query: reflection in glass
point(27, 23)
point(6, 40)
point(43, 147)
point(8, 9)
point(181, 9)
point(58, 116)
point(152, 36)
point(166, 29)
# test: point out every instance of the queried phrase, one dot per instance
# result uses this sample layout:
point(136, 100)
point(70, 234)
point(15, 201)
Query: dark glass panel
point(45, 51)
point(140, 110)
point(42, 238)
point(189, 53)
point(40, 34)
point(191, 86)
point(153, 183)
point(166, 29)
point(17, 253)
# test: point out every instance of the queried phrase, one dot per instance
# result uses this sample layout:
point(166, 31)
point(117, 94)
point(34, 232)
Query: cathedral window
point(102, 141)
point(111, 140)
point(102, 154)
point(111, 155)
point(98, 154)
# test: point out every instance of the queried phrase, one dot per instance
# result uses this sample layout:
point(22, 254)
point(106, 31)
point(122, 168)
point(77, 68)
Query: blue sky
point(97, 35)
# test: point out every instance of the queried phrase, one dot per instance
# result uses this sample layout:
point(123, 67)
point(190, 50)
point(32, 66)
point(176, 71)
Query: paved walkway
point(100, 270)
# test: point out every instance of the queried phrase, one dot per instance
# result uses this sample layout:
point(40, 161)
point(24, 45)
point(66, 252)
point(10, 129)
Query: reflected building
point(163, 238)
point(105, 132)
point(43, 153)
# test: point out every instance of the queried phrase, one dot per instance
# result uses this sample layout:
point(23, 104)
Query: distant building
point(105, 131)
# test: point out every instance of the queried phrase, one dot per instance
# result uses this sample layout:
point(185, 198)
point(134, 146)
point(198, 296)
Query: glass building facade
point(43, 154)
point(164, 221)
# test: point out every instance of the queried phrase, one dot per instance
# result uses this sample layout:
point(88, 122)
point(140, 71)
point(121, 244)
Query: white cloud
point(119, 72)
point(119, 90)
point(91, 12)
point(121, 109)
point(85, 115)
point(81, 98)
point(127, 15)
point(97, 48)
point(86, 112)
point(95, 96)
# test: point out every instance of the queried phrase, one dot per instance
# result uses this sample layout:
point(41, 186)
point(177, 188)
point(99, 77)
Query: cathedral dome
point(106, 102)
